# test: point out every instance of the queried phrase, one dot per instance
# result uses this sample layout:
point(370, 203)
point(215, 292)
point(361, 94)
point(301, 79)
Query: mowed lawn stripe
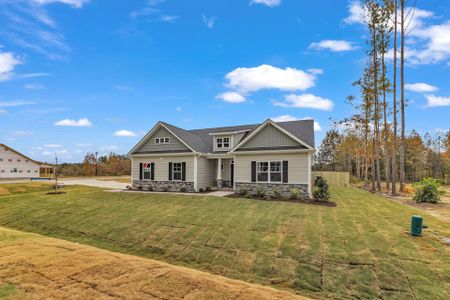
point(358, 249)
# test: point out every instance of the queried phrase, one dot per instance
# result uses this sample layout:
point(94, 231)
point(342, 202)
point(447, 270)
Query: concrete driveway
point(95, 183)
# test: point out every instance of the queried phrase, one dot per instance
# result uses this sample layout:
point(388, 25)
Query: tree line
point(107, 165)
point(373, 143)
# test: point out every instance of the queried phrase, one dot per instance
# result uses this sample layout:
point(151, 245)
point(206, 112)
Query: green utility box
point(416, 225)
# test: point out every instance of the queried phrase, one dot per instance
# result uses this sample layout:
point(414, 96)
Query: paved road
point(94, 182)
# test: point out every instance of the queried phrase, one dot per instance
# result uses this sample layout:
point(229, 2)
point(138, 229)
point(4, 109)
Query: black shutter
point(152, 171)
point(170, 171)
point(253, 171)
point(140, 171)
point(285, 171)
point(183, 171)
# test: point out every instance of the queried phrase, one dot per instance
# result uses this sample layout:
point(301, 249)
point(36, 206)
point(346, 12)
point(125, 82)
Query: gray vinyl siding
point(205, 172)
point(298, 166)
point(162, 166)
point(150, 146)
point(237, 138)
point(269, 137)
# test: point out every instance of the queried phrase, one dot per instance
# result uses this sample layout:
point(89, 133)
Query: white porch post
point(219, 173)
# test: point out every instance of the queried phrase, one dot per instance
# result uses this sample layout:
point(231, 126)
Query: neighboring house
point(14, 165)
point(272, 156)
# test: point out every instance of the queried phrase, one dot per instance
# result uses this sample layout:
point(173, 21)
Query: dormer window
point(223, 143)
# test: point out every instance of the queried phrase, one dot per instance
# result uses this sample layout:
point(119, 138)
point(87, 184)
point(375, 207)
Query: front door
point(232, 173)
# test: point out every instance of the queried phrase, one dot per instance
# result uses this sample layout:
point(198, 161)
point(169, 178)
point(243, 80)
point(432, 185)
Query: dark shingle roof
point(201, 140)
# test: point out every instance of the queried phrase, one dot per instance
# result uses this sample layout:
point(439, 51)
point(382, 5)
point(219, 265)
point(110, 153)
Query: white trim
point(195, 174)
point(162, 154)
point(149, 135)
point(273, 151)
point(309, 174)
point(262, 126)
point(173, 172)
point(229, 132)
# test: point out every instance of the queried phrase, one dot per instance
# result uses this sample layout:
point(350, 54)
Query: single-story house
point(270, 156)
point(15, 165)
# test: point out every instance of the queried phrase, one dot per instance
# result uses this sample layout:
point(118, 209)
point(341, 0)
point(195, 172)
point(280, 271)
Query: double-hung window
point(163, 140)
point(147, 171)
point(177, 171)
point(219, 143)
point(223, 143)
point(269, 171)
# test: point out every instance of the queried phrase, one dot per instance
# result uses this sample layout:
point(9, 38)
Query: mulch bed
point(304, 201)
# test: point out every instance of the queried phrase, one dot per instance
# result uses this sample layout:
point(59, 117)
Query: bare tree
point(394, 108)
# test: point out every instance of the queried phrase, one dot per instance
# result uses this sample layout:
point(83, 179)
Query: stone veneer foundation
point(283, 188)
point(163, 186)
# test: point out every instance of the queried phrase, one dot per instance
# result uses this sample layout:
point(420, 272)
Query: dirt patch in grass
point(46, 268)
point(20, 188)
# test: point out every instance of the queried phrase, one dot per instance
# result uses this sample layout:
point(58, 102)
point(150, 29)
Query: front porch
point(224, 172)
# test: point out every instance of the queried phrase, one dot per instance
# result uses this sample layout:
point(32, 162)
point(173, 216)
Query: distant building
point(14, 165)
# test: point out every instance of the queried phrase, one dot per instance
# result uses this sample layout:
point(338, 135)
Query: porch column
point(219, 173)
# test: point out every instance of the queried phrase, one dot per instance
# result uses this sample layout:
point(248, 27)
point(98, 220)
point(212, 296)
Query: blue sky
point(95, 75)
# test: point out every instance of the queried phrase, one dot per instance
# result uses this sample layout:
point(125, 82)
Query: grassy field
point(57, 269)
point(14, 188)
point(359, 249)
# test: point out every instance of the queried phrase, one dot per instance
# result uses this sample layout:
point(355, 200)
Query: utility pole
point(56, 173)
point(96, 164)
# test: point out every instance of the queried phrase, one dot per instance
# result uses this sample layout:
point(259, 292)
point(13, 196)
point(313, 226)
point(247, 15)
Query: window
point(163, 140)
point(222, 142)
point(28, 171)
point(18, 160)
point(1, 159)
point(35, 171)
point(26, 160)
point(177, 171)
point(263, 171)
point(275, 171)
point(226, 142)
point(147, 171)
point(15, 170)
point(269, 171)
point(3, 171)
point(10, 160)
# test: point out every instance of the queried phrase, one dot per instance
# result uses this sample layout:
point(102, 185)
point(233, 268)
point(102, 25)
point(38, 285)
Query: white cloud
point(7, 64)
point(432, 45)
point(420, 87)
point(150, 10)
point(23, 133)
point(73, 3)
point(356, 12)
point(246, 80)
point(435, 101)
point(287, 118)
point(52, 146)
point(74, 123)
point(125, 133)
point(305, 101)
point(124, 88)
point(270, 3)
point(209, 21)
point(333, 45)
point(315, 71)
point(34, 86)
point(84, 145)
point(231, 97)
point(178, 108)
point(15, 103)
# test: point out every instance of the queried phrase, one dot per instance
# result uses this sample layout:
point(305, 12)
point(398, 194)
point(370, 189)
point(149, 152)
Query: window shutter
point(140, 171)
point(183, 171)
point(285, 171)
point(170, 171)
point(152, 171)
point(253, 171)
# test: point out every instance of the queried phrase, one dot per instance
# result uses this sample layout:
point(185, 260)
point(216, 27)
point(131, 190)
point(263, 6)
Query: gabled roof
point(201, 140)
point(23, 155)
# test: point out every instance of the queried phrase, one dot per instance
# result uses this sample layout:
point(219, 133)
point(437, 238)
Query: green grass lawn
point(359, 249)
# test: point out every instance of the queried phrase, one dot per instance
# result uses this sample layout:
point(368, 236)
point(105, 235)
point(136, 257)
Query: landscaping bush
point(276, 193)
point(427, 190)
point(242, 191)
point(295, 194)
point(183, 189)
point(260, 192)
point(321, 191)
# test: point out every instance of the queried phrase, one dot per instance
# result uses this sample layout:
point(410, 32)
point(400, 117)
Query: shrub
point(295, 194)
point(276, 193)
point(321, 192)
point(183, 189)
point(427, 190)
point(150, 188)
point(208, 189)
point(200, 190)
point(354, 180)
point(260, 192)
point(242, 191)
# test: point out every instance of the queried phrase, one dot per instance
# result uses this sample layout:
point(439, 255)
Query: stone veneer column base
point(163, 186)
point(284, 189)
